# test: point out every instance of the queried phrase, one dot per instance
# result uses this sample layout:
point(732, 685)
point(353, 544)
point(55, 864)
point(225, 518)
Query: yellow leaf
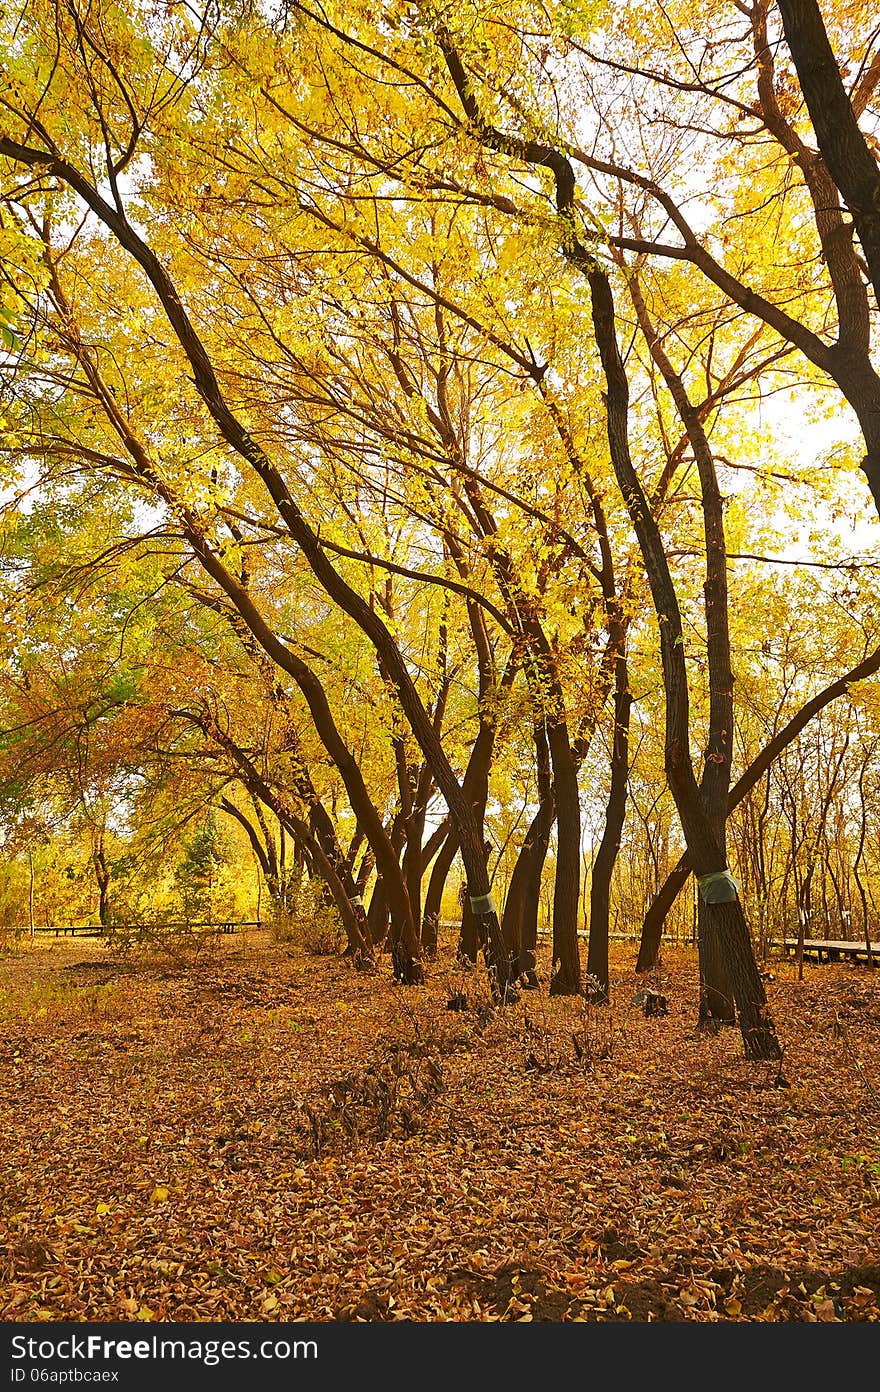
point(159, 1194)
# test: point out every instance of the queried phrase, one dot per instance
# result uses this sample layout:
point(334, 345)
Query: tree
point(196, 875)
point(451, 451)
point(723, 911)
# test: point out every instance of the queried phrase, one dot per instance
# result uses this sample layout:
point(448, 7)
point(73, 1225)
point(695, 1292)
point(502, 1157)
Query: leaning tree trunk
point(543, 678)
point(520, 921)
point(326, 866)
point(378, 914)
point(658, 911)
point(434, 893)
point(534, 868)
point(725, 916)
point(475, 788)
point(413, 855)
point(352, 918)
point(429, 851)
point(844, 147)
point(716, 1002)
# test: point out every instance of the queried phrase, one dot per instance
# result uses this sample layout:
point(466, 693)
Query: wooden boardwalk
point(829, 949)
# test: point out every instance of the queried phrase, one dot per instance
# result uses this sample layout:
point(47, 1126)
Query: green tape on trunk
point(356, 901)
point(483, 904)
point(718, 888)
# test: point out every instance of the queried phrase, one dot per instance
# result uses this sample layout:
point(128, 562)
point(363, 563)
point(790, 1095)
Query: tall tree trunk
point(475, 787)
point(102, 875)
point(542, 674)
point(599, 985)
point(434, 894)
point(31, 925)
point(565, 978)
point(520, 921)
point(759, 1036)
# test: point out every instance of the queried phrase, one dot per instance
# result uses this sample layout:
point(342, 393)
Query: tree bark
point(102, 875)
point(565, 977)
point(599, 986)
point(434, 894)
point(843, 146)
point(520, 921)
point(257, 846)
point(759, 1036)
point(378, 915)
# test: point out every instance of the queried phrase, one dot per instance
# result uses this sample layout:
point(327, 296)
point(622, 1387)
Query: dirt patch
point(513, 1291)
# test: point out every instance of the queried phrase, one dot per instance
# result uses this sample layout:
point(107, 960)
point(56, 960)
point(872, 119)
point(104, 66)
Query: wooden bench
point(95, 930)
point(829, 949)
point(83, 930)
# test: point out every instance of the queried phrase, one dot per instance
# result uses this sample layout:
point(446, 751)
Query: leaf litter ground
point(262, 1135)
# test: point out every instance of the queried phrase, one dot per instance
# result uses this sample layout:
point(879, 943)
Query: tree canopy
point(446, 436)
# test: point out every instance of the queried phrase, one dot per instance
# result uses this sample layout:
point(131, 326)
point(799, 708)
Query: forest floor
point(263, 1135)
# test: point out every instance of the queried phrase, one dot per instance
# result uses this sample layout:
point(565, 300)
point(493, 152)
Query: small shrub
point(387, 1099)
point(311, 924)
point(179, 943)
point(13, 938)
